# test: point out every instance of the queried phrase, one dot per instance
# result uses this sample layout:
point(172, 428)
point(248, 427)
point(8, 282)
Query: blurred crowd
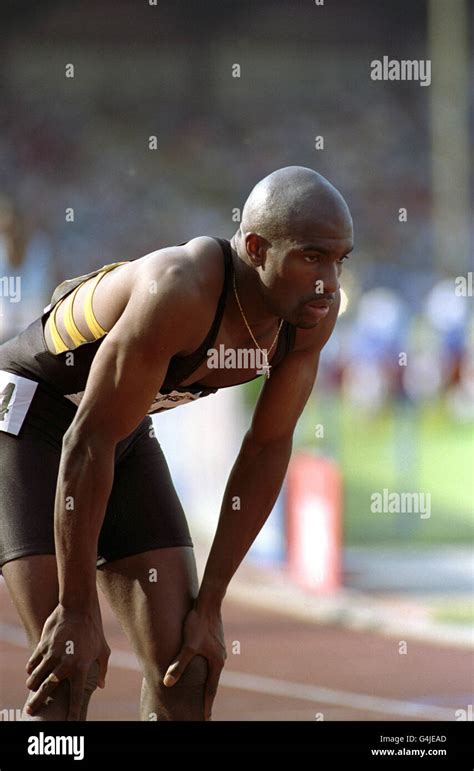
point(405, 333)
point(383, 351)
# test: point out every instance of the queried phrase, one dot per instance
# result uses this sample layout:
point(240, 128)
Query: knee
point(182, 701)
point(56, 706)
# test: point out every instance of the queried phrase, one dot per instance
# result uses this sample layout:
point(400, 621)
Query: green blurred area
point(403, 449)
point(454, 612)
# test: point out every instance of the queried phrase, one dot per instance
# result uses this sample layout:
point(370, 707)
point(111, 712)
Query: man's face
point(300, 276)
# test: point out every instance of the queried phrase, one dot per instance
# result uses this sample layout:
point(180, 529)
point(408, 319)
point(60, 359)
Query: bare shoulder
point(315, 339)
point(188, 278)
point(205, 254)
point(198, 265)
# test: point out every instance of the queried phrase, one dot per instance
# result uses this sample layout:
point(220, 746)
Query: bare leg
point(33, 586)
point(151, 613)
point(184, 701)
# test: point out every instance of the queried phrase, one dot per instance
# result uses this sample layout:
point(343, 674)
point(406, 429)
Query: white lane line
point(273, 687)
point(315, 694)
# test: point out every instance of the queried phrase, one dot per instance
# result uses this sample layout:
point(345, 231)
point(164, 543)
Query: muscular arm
point(260, 468)
point(126, 373)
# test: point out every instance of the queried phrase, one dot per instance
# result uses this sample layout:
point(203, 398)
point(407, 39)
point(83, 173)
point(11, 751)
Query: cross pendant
point(266, 367)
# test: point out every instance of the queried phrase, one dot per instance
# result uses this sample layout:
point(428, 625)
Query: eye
point(311, 258)
point(343, 259)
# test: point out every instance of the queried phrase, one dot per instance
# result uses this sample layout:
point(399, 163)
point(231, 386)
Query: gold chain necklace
point(266, 367)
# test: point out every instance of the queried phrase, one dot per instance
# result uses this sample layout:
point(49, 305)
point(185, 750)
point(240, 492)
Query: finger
point(45, 668)
point(211, 689)
point(176, 669)
point(38, 699)
point(34, 660)
point(77, 685)
point(97, 672)
point(103, 665)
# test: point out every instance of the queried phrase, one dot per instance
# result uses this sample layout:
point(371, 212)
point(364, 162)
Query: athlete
point(86, 497)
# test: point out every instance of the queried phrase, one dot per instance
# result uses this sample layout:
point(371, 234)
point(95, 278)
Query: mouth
point(318, 308)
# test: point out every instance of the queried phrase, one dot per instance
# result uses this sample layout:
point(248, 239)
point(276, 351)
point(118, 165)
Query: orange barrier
point(313, 519)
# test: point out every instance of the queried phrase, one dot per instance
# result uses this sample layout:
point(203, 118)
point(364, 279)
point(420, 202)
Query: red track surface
point(276, 648)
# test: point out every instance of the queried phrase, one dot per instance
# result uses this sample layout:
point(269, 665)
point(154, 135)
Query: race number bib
point(160, 403)
point(16, 393)
point(173, 399)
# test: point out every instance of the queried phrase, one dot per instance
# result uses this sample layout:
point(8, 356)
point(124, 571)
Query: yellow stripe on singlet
point(91, 320)
point(59, 344)
point(69, 322)
point(95, 328)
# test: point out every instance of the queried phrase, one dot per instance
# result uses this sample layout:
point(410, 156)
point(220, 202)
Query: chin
point(307, 324)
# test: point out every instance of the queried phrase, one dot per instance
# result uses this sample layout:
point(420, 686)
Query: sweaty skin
point(296, 230)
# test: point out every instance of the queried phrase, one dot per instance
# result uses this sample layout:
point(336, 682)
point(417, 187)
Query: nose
point(328, 275)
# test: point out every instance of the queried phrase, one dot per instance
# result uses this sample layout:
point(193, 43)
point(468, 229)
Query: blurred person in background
point(26, 269)
point(12, 251)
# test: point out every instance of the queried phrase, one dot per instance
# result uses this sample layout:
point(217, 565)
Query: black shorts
point(143, 511)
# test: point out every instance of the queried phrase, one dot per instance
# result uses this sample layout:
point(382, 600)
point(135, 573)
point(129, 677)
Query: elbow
point(82, 441)
point(255, 444)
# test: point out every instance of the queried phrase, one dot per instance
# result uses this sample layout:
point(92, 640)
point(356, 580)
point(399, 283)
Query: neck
point(249, 288)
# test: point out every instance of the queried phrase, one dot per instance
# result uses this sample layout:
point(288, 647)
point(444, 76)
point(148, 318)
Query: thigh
point(143, 512)
point(149, 571)
point(29, 469)
point(29, 466)
point(151, 594)
point(32, 583)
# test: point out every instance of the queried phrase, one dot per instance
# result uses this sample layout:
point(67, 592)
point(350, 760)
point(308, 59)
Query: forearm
point(84, 483)
point(251, 492)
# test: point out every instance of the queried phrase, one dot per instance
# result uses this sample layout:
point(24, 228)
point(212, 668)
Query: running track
point(286, 670)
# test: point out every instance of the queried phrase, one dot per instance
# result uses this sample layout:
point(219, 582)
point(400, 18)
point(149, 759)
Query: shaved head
point(295, 233)
point(294, 202)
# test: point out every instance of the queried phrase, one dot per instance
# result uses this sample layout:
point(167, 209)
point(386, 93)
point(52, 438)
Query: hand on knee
point(182, 701)
point(92, 681)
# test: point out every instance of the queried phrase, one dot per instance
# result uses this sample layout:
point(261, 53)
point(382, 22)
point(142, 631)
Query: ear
point(256, 247)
